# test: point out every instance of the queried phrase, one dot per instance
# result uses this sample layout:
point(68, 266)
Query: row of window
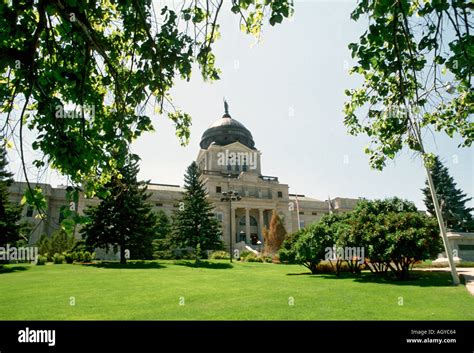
point(237, 167)
point(219, 190)
point(312, 213)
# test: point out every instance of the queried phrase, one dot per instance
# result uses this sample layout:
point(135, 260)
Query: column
point(247, 224)
point(232, 220)
point(260, 224)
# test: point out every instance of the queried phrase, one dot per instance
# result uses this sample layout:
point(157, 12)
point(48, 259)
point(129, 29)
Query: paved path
point(466, 272)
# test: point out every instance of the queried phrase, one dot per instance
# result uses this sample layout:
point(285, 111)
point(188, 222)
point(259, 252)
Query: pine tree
point(10, 214)
point(194, 224)
point(162, 244)
point(452, 200)
point(124, 218)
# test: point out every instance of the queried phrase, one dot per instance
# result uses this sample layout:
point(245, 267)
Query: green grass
point(220, 291)
point(430, 264)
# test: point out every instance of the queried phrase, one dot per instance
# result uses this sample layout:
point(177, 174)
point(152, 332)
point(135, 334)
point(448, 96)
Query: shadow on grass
point(299, 274)
point(417, 278)
point(205, 264)
point(11, 269)
point(129, 265)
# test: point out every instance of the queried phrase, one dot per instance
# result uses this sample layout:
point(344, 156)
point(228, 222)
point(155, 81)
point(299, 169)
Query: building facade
point(228, 160)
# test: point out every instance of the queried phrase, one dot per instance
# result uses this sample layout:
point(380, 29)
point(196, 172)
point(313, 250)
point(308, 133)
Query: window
point(253, 221)
point(159, 204)
point(301, 212)
point(29, 211)
point(314, 213)
point(218, 189)
point(464, 247)
point(237, 168)
point(280, 194)
point(301, 223)
point(220, 216)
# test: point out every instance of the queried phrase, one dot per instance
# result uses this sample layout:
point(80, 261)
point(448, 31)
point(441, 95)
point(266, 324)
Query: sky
point(288, 90)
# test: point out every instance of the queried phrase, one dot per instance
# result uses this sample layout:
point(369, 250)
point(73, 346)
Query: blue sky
point(288, 90)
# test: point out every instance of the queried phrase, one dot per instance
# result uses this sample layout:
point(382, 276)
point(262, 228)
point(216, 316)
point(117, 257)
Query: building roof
point(303, 198)
point(165, 187)
point(225, 131)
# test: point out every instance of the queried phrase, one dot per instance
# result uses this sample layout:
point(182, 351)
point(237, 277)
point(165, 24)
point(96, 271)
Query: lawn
point(220, 291)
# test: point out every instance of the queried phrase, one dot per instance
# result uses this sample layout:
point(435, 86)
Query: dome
point(226, 131)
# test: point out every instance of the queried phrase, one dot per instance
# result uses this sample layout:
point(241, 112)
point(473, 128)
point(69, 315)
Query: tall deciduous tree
point(10, 214)
point(124, 218)
point(274, 235)
point(416, 59)
point(452, 200)
point(84, 72)
point(194, 223)
point(394, 234)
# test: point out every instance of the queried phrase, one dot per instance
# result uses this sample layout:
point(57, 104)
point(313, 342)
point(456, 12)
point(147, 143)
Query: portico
point(250, 223)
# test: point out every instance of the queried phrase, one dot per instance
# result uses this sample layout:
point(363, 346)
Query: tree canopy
point(83, 74)
point(391, 232)
point(10, 214)
point(416, 62)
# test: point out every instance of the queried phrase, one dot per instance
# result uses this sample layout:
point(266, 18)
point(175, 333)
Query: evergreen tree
point(162, 244)
point(452, 200)
point(194, 224)
point(10, 214)
point(124, 218)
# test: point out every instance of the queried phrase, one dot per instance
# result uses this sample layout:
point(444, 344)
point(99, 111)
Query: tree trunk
point(123, 260)
point(439, 217)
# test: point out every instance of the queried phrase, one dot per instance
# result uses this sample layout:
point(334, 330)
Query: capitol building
point(229, 160)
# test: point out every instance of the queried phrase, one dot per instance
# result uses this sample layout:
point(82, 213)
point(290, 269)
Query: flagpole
point(298, 211)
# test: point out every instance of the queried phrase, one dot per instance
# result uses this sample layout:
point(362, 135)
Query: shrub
point(245, 254)
point(220, 255)
point(394, 234)
point(69, 257)
point(87, 256)
point(308, 246)
point(78, 256)
point(287, 252)
point(163, 255)
point(253, 258)
point(44, 245)
point(49, 257)
point(41, 260)
point(83, 256)
point(269, 259)
point(58, 258)
point(61, 241)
